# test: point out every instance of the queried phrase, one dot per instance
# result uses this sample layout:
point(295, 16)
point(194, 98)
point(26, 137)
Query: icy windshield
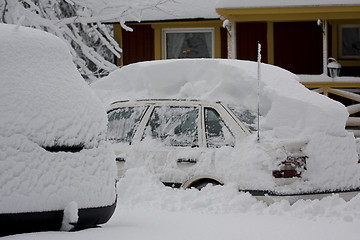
point(246, 116)
point(123, 123)
point(174, 126)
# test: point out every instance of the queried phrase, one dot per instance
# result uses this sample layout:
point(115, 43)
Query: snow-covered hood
point(42, 95)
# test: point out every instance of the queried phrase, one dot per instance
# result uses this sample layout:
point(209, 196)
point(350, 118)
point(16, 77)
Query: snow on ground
point(148, 210)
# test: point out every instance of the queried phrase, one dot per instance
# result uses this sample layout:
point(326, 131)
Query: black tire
point(200, 184)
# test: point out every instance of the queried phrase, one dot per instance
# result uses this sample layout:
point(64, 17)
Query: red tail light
point(291, 167)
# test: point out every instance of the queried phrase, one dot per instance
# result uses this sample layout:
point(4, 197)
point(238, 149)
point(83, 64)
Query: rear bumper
point(15, 223)
point(270, 197)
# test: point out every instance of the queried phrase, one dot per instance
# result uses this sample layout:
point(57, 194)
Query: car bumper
point(15, 223)
point(270, 197)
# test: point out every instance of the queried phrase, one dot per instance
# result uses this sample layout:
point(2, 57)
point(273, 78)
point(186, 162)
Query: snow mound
point(43, 96)
point(44, 102)
point(289, 107)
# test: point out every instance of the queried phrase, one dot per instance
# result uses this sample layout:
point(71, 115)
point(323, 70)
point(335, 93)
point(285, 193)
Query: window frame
point(187, 30)
point(340, 44)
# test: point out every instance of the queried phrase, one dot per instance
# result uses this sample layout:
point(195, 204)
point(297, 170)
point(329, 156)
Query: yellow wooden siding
point(278, 14)
point(335, 15)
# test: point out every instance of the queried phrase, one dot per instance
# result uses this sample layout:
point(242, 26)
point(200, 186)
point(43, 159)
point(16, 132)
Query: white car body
point(304, 150)
point(198, 162)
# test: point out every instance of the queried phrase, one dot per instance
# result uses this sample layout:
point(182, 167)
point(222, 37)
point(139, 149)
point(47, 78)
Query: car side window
point(247, 117)
point(217, 133)
point(122, 123)
point(174, 126)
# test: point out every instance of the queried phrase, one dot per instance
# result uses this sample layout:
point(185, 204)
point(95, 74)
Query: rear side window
point(247, 117)
point(174, 126)
point(217, 133)
point(123, 123)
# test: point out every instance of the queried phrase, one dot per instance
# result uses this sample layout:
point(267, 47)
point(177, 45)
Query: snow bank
point(44, 102)
point(289, 112)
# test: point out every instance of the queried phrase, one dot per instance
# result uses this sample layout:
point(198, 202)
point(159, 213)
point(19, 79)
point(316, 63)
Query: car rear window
point(123, 123)
point(246, 116)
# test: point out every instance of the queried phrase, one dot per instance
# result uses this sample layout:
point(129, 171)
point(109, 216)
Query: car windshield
point(246, 116)
point(174, 126)
point(123, 123)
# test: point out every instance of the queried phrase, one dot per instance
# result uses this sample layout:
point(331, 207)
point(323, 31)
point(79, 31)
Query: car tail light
point(291, 167)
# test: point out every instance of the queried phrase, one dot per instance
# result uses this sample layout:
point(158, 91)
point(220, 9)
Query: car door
point(171, 143)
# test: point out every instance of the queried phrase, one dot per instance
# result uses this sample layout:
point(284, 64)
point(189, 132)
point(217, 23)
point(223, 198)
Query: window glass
point(174, 126)
point(244, 115)
point(188, 43)
point(123, 123)
point(217, 134)
point(350, 40)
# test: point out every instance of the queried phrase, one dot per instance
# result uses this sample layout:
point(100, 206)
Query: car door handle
point(120, 159)
point(187, 160)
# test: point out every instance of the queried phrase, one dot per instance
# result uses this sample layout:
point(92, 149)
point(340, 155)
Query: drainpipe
point(231, 37)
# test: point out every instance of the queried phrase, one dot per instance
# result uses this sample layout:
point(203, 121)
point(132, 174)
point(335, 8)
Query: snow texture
point(148, 210)
point(44, 102)
point(140, 10)
point(289, 113)
point(70, 217)
point(282, 3)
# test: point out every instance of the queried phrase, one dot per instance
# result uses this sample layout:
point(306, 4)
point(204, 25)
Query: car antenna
point(258, 100)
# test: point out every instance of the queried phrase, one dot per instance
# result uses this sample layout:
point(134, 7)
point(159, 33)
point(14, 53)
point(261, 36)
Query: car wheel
point(200, 184)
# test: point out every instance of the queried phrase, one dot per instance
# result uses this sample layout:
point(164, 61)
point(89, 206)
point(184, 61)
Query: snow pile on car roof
point(43, 96)
point(289, 112)
point(44, 102)
point(289, 107)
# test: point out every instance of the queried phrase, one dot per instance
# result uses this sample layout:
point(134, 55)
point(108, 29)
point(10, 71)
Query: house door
point(137, 45)
point(248, 34)
point(298, 47)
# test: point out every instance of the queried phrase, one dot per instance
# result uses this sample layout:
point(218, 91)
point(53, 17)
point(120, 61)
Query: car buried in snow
point(57, 170)
point(195, 122)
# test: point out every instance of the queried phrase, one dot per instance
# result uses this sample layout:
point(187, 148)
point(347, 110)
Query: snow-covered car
point(195, 121)
point(57, 169)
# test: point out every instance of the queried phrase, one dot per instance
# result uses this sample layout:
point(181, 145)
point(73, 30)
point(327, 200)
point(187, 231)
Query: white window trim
point(342, 26)
point(186, 30)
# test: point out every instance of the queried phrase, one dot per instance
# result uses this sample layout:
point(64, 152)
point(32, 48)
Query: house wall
point(146, 40)
point(293, 39)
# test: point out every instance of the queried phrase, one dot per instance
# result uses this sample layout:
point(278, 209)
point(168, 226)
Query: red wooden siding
point(298, 47)
point(248, 34)
point(224, 45)
point(138, 45)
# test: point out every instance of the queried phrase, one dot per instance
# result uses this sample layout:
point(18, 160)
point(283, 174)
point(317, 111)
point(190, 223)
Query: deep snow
point(148, 210)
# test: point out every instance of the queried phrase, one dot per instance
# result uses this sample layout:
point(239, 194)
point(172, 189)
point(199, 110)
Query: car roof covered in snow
point(42, 95)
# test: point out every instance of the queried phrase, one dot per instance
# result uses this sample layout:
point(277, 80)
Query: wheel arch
point(203, 178)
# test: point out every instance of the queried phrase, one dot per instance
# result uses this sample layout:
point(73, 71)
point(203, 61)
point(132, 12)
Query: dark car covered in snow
point(57, 172)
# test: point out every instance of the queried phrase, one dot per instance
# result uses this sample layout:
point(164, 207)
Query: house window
point(188, 43)
point(349, 43)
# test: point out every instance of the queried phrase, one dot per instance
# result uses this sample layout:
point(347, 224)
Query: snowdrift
point(44, 102)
